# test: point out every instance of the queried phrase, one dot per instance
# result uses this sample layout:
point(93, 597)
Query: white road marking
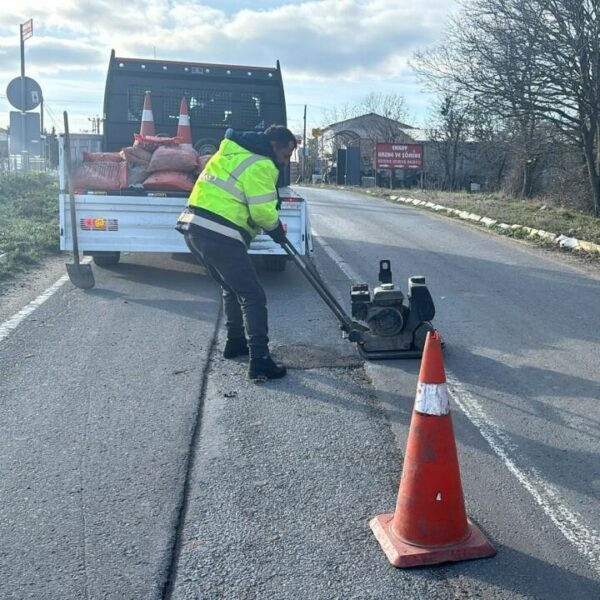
point(11, 324)
point(585, 539)
point(348, 271)
point(569, 523)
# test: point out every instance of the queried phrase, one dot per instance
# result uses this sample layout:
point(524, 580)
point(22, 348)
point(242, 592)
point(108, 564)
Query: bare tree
point(448, 134)
point(383, 121)
point(491, 140)
point(390, 106)
point(532, 62)
point(485, 62)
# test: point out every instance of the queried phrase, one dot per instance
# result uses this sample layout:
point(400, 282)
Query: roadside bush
point(28, 219)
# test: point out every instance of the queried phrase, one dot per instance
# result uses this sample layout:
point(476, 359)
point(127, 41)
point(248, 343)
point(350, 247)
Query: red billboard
point(399, 156)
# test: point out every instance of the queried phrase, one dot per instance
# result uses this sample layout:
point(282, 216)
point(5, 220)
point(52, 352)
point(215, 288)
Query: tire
point(206, 146)
point(275, 264)
point(106, 259)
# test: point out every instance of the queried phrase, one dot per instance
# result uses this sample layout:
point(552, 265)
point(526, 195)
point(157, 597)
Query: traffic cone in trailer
point(430, 524)
point(147, 127)
point(184, 130)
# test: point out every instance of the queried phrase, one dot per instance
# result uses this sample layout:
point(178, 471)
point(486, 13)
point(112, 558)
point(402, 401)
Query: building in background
point(347, 148)
point(344, 153)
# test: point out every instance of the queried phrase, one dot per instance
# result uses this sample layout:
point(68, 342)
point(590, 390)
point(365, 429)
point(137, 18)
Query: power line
point(53, 118)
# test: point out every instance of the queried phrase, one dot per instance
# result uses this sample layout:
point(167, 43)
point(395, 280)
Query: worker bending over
point(235, 197)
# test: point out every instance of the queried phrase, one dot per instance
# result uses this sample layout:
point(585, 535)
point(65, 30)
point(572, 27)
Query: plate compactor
point(385, 327)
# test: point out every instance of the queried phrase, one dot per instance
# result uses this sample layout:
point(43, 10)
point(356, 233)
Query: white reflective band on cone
point(184, 120)
point(147, 115)
point(432, 399)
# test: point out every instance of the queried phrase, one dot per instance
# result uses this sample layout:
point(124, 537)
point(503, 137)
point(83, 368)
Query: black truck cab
point(218, 97)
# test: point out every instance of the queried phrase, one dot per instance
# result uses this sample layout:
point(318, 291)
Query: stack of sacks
point(103, 171)
point(152, 163)
point(137, 158)
point(173, 166)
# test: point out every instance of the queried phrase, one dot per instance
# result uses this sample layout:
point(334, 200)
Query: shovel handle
point(69, 170)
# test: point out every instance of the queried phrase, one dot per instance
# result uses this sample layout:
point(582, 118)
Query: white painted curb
point(563, 241)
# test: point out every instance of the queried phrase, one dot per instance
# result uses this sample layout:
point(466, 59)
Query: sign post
point(26, 31)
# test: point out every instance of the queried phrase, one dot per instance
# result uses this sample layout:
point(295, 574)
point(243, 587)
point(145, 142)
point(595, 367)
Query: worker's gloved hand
point(278, 234)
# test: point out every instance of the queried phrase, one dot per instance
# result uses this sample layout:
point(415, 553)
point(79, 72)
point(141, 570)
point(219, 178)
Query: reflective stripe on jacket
point(238, 186)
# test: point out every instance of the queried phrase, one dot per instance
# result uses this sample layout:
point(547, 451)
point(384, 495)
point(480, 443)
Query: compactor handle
point(352, 328)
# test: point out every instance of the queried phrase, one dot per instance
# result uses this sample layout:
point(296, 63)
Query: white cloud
point(320, 41)
point(52, 55)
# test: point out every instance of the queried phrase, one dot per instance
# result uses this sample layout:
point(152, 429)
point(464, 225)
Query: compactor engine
point(395, 328)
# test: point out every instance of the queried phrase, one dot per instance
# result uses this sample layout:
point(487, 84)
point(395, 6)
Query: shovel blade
point(81, 275)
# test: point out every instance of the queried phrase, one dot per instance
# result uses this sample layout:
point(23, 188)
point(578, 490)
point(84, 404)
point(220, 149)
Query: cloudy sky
point(332, 52)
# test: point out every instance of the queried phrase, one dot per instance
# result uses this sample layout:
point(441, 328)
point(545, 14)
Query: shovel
point(81, 275)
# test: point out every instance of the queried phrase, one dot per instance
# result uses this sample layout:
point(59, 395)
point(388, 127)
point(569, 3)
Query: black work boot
point(265, 368)
point(235, 347)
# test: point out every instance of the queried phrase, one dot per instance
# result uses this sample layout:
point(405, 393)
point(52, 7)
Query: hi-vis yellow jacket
point(239, 187)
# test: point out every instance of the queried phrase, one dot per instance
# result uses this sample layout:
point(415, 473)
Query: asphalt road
point(99, 396)
point(137, 463)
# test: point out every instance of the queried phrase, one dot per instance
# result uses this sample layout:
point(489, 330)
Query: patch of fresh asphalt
point(98, 399)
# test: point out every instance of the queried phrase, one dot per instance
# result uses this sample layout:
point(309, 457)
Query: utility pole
point(95, 121)
point(304, 145)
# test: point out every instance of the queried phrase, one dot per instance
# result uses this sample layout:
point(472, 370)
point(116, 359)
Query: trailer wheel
point(275, 264)
point(106, 259)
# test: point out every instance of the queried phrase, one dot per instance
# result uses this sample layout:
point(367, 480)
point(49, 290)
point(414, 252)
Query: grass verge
point(28, 220)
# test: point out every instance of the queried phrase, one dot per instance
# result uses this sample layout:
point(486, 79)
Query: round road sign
point(33, 94)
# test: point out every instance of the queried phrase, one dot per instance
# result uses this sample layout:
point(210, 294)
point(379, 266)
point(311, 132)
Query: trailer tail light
point(99, 224)
point(292, 199)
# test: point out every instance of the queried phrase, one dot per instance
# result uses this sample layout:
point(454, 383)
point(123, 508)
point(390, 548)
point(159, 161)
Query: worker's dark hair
point(281, 135)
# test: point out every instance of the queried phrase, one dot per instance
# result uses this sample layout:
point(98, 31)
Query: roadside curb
point(522, 231)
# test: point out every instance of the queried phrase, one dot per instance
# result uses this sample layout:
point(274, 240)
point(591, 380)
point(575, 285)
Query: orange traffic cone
point(184, 130)
point(147, 127)
point(430, 524)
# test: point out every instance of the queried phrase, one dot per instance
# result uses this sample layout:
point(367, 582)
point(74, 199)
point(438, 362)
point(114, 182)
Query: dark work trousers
point(244, 300)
